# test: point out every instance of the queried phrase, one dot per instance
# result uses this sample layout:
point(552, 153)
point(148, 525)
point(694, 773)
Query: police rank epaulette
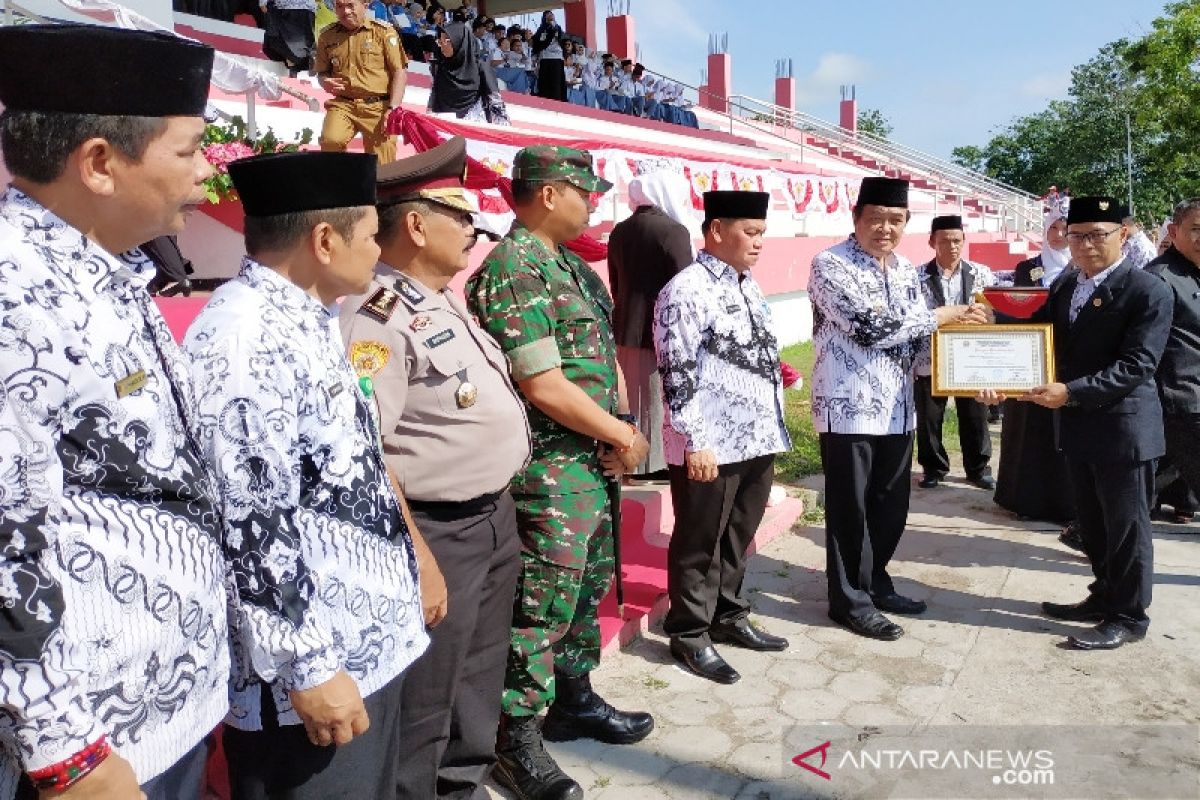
point(382, 304)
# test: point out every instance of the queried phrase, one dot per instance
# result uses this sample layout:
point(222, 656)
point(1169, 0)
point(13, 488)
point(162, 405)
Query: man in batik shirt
point(113, 651)
point(328, 614)
point(723, 393)
point(870, 324)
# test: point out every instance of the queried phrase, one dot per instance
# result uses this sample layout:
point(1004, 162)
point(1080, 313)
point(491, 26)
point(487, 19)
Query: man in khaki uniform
point(360, 62)
point(454, 434)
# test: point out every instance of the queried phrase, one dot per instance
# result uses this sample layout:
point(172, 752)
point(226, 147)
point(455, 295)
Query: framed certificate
point(1006, 358)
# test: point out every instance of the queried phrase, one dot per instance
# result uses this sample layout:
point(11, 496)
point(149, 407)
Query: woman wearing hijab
point(463, 83)
point(1032, 477)
point(644, 253)
point(547, 44)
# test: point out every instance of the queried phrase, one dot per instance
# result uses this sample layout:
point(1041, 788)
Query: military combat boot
point(524, 767)
point(578, 712)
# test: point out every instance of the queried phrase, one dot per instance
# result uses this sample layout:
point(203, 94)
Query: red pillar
point(621, 42)
point(581, 20)
point(849, 120)
point(785, 93)
point(720, 81)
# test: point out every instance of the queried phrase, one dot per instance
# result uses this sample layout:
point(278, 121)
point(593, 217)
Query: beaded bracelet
point(66, 773)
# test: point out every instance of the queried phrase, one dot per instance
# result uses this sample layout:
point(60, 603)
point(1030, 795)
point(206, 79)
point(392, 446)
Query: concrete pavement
point(982, 655)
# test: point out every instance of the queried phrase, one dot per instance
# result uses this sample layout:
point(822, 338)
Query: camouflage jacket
point(550, 309)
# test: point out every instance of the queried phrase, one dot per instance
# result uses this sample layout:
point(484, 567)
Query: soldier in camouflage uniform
point(551, 314)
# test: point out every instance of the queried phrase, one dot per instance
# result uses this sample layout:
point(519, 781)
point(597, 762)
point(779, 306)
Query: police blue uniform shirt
point(111, 575)
point(321, 558)
point(719, 360)
point(869, 327)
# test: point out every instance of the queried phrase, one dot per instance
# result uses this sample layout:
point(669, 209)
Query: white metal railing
point(1017, 210)
point(1022, 210)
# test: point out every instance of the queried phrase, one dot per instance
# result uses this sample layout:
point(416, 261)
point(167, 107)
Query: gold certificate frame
point(1008, 359)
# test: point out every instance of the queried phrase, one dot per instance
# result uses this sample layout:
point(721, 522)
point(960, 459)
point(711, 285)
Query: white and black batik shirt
point(719, 361)
point(112, 582)
point(321, 558)
point(869, 326)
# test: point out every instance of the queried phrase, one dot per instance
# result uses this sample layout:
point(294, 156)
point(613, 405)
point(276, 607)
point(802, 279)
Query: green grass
point(805, 456)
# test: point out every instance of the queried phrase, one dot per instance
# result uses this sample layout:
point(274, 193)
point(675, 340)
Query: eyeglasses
point(1096, 238)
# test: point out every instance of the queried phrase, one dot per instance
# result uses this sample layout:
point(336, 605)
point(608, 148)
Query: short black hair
point(524, 191)
point(392, 214)
point(281, 232)
point(37, 144)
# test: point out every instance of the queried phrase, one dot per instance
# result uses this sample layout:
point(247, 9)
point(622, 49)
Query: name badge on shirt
point(130, 383)
point(334, 389)
point(439, 338)
point(732, 308)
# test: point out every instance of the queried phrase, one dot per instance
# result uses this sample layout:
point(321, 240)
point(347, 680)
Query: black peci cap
point(93, 69)
point(286, 183)
point(1095, 209)
point(949, 222)
point(889, 192)
point(736, 205)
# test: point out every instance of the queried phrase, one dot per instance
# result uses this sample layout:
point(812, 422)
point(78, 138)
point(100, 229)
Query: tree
point(872, 121)
point(970, 156)
point(1165, 69)
point(1081, 142)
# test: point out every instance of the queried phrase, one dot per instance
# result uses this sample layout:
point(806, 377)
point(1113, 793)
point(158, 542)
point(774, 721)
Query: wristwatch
point(630, 418)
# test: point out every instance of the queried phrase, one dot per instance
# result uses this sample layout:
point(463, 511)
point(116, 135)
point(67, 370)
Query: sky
point(944, 73)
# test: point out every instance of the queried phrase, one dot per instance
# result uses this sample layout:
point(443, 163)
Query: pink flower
point(220, 154)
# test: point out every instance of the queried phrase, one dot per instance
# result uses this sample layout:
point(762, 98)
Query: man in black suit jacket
point(1111, 324)
point(1179, 372)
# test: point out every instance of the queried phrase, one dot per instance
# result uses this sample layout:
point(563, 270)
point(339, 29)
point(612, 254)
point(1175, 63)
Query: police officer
point(360, 62)
point(454, 434)
point(551, 314)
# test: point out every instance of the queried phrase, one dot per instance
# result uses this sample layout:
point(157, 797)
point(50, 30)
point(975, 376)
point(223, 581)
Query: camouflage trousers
point(566, 569)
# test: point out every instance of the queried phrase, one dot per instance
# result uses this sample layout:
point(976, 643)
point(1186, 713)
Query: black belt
point(375, 98)
point(460, 508)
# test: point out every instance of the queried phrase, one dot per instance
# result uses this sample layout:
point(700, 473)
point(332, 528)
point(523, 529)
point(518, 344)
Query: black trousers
point(706, 561)
point(973, 433)
point(280, 763)
point(552, 82)
point(1113, 506)
point(867, 486)
point(451, 697)
point(1183, 453)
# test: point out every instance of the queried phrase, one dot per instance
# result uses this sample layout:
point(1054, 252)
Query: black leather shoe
point(1072, 538)
point(872, 626)
point(984, 482)
point(579, 713)
point(1106, 636)
point(929, 482)
point(706, 663)
point(899, 604)
point(743, 634)
point(525, 768)
point(1087, 611)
